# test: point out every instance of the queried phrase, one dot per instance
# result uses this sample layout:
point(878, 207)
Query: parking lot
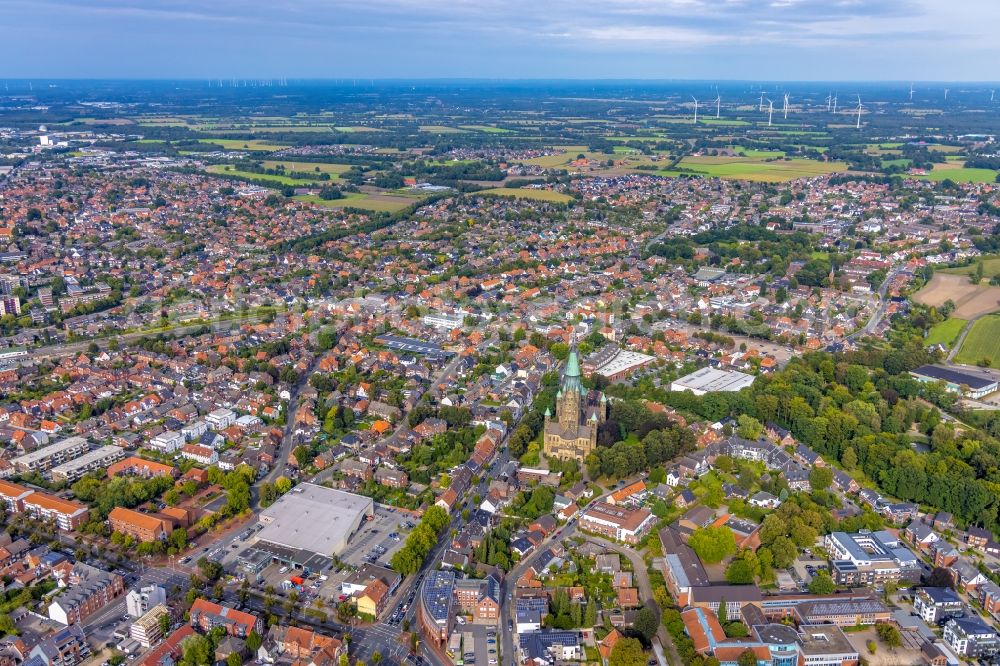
point(374, 542)
point(805, 568)
point(378, 539)
point(486, 653)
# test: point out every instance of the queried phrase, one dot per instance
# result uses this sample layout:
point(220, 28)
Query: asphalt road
point(287, 438)
point(876, 318)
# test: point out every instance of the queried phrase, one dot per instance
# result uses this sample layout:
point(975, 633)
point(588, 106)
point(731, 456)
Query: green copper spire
point(572, 365)
point(571, 376)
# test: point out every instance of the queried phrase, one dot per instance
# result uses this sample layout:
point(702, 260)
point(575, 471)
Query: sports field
point(245, 144)
point(945, 333)
point(536, 195)
point(754, 168)
point(981, 343)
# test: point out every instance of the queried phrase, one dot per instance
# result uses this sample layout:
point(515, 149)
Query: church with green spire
point(572, 433)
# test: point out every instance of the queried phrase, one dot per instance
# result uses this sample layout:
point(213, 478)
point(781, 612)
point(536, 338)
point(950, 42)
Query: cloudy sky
point(904, 40)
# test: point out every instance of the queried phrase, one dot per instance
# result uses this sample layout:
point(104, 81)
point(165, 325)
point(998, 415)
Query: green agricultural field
point(246, 144)
point(441, 129)
point(746, 168)
point(991, 267)
point(945, 333)
point(489, 129)
point(981, 343)
point(558, 159)
point(227, 170)
point(537, 195)
point(281, 128)
point(960, 174)
point(382, 203)
point(308, 167)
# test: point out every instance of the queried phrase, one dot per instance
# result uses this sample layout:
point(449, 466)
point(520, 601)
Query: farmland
point(384, 203)
point(302, 167)
point(970, 300)
point(945, 333)
point(957, 172)
point(991, 267)
point(980, 344)
point(536, 195)
point(245, 144)
point(227, 170)
point(754, 168)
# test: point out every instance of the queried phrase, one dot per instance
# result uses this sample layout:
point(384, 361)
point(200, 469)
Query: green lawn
point(945, 333)
point(981, 343)
point(537, 195)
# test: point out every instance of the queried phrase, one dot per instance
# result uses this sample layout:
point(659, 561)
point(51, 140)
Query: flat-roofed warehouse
point(314, 519)
point(974, 383)
point(708, 380)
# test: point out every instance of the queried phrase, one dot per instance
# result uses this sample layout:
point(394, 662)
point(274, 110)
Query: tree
point(646, 622)
point(713, 544)
point(197, 650)
point(940, 577)
point(723, 612)
point(820, 478)
point(889, 635)
point(165, 624)
point(560, 350)
point(254, 641)
point(627, 652)
point(590, 615)
point(739, 572)
point(234, 659)
point(748, 427)
point(821, 583)
point(747, 658)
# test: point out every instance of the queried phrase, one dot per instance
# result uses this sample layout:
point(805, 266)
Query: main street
point(288, 434)
point(883, 304)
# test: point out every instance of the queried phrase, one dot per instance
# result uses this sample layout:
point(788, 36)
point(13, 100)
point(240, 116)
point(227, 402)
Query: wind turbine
point(829, 100)
point(762, 102)
point(770, 111)
point(835, 104)
point(946, 94)
point(911, 92)
point(695, 109)
point(859, 112)
point(718, 106)
point(993, 94)
point(786, 106)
